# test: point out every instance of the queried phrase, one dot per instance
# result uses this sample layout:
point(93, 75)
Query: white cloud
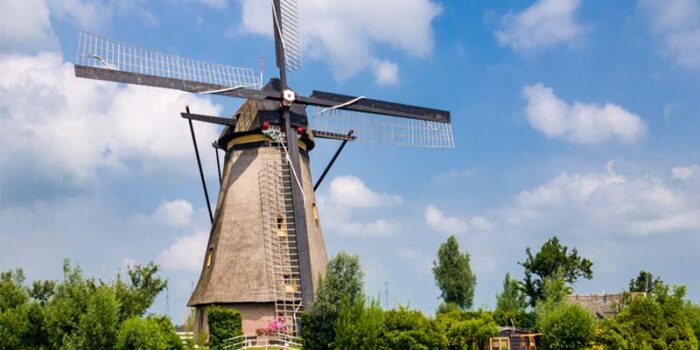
point(438, 222)
point(344, 33)
point(677, 23)
point(604, 203)
point(583, 123)
point(350, 191)
point(186, 254)
point(177, 213)
point(350, 197)
point(544, 24)
point(408, 253)
point(26, 27)
point(386, 72)
point(684, 172)
point(69, 128)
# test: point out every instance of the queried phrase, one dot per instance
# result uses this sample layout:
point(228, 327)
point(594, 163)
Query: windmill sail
point(105, 59)
point(383, 129)
point(290, 34)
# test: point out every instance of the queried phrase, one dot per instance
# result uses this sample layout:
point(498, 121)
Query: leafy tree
point(167, 329)
point(141, 334)
point(12, 295)
point(511, 302)
point(453, 274)
point(342, 284)
point(42, 291)
point(359, 326)
point(650, 324)
point(466, 330)
point(99, 325)
point(142, 290)
point(223, 323)
point(411, 330)
point(552, 262)
point(566, 326)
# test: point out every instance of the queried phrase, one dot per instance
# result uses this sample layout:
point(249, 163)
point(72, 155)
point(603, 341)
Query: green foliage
point(453, 274)
point(98, 326)
point(645, 283)
point(650, 324)
point(359, 326)
point(511, 302)
point(141, 334)
point(75, 313)
point(341, 284)
point(552, 263)
point(168, 332)
point(12, 294)
point(410, 329)
point(566, 326)
point(142, 290)
point(466, 330)
point(223, 323)
point(692, 315)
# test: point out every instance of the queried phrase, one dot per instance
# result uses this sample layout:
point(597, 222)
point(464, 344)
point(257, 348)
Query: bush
point(223, 323)
point(141, 334)
point(410, 329)
point(566, 326)
point(359, 326)
point(471, 332)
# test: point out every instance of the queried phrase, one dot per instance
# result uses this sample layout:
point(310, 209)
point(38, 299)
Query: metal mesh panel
point(384, 129)
point(290, 34)
point(101, 52)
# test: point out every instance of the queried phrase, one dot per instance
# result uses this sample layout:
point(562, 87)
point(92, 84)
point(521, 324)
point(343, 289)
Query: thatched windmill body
point(265, 251)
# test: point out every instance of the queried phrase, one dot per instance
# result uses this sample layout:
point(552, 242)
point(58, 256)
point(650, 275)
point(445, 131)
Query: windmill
point(265, 251)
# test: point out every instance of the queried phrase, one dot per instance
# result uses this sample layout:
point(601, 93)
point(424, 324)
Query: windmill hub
point(288, 97)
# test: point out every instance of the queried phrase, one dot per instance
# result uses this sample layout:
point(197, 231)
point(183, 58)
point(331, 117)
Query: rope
point(221, 90)
point(344, 104)
point(291, 166)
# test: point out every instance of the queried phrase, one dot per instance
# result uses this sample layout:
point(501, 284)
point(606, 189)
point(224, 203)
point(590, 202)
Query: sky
point(571, 118)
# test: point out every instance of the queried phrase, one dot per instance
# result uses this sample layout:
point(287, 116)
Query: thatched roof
point(602, 305)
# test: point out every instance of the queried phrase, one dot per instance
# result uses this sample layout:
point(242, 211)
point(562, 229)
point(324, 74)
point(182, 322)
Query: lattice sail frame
point(100, 52)
point(383, 129)
point(290, 34)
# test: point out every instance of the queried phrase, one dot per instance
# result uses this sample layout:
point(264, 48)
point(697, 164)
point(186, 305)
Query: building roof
point(602, 305)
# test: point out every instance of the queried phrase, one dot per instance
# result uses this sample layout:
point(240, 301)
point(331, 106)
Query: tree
point(341, 285)
point(137, 296)
point(137, 334)
point(359, 325)
point(471, 333)
point(511, 302)
point(453, 274)
point(406, 329)
point(566, 326)
point(552, 262)
point(99, 324)
point(644, 283)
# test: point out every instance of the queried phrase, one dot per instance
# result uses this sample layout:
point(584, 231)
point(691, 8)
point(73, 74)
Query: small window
point(209, 253)
point(315, 212)
point(281, 227)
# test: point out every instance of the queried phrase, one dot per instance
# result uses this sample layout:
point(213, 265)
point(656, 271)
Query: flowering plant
point(274, 327)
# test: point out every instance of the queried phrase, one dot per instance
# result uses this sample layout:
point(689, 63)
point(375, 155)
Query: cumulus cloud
point(350, 197)
point(605, 203)
point(66, 129)
point(582, 123)
point(544, 24)
point(438, 222)
point(677, 23)
point(26, 27)
point(344, 33)
point(186, 253)
point(177, 213)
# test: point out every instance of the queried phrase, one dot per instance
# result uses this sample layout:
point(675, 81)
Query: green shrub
point(472, 332)
point(359, 326)
point(223, 323)
point(566, 326)
point(141, 334)
point(410, 329)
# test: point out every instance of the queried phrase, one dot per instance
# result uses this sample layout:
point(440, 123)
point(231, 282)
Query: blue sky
point(571, 118)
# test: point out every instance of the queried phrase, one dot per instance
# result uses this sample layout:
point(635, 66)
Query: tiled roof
point(603, 305)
